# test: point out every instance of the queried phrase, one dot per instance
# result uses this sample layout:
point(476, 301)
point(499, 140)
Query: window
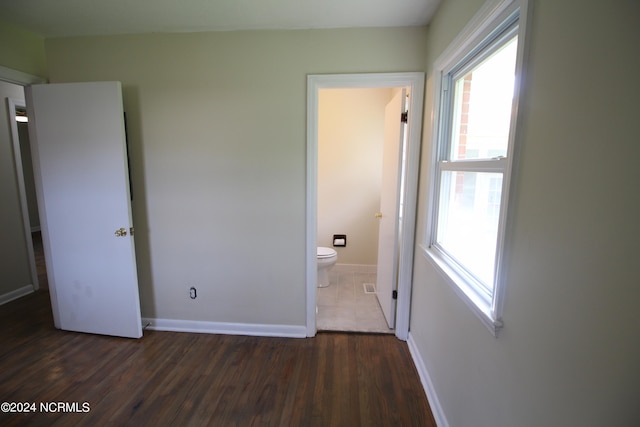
point(473, 148)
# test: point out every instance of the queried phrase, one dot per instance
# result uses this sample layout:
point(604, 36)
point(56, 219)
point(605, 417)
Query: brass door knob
point(121, 232)
point(378, 215)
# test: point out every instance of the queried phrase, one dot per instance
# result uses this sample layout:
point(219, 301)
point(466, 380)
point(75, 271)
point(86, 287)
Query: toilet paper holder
point(339, 240)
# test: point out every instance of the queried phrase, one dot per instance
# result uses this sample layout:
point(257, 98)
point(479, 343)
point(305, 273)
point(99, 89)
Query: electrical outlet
point(192, 293)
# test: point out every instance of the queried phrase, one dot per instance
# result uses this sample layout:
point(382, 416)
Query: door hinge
point(394, 294)
point(404, 117)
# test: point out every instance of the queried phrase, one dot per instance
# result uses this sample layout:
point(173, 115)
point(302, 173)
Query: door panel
point(387, 276)
point(80, 163)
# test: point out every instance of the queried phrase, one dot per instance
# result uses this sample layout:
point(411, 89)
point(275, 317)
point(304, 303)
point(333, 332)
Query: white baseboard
point(15, 294)
point(197, 326)
point(427, 384)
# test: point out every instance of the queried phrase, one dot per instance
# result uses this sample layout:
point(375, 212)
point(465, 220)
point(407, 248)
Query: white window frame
point(494, 16)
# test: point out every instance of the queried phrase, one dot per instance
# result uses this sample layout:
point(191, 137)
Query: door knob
point(121, 232)
point(378, 215)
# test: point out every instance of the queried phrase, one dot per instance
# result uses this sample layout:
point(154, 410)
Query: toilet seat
point(326, 252)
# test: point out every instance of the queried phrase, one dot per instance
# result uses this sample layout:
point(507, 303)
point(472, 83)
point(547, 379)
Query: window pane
point(482, 106)
point(468, 220)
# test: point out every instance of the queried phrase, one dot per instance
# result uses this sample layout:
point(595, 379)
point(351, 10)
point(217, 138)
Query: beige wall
point(14, 261)
point(569, 351)
point(22, 50)
point(350, 138)
point(217, 131)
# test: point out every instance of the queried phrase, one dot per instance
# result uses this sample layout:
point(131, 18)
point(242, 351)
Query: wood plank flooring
point(38, 251)
point(182, 379)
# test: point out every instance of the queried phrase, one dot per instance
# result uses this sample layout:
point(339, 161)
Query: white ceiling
point(59, 18)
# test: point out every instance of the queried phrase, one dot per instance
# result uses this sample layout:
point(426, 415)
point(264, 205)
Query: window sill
point(478, 305)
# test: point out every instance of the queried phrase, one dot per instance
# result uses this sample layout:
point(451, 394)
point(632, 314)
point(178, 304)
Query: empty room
point(159, 253)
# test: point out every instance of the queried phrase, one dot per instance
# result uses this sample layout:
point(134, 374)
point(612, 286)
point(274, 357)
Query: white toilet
point(327, 257)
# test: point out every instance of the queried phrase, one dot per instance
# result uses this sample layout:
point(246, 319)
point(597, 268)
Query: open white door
point(82, 181)
point(389, 215)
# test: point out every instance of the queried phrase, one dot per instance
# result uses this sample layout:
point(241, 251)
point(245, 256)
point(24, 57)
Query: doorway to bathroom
point(360, 141)
point(346, 157)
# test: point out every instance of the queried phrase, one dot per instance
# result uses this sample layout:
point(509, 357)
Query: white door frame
point(10, 75)
point(12, 105)
point(19, 78)
point(415, 82)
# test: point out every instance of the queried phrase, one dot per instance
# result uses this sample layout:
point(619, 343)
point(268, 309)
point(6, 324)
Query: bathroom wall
point(350, 138)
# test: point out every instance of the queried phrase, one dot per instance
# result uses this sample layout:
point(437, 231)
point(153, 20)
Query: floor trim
point(427, 384)
point(197, 326)
point(16, 293)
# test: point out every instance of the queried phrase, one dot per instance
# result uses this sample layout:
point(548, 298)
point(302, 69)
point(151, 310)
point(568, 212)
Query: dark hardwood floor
point(183, 379)
point(38, 251)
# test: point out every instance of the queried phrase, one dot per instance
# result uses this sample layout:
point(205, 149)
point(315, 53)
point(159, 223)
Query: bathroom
point(351, 138)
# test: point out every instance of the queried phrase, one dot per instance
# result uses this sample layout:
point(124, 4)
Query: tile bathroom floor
point(344, 305)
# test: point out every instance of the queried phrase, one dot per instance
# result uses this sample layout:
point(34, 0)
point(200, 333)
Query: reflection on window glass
point(482, 106)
